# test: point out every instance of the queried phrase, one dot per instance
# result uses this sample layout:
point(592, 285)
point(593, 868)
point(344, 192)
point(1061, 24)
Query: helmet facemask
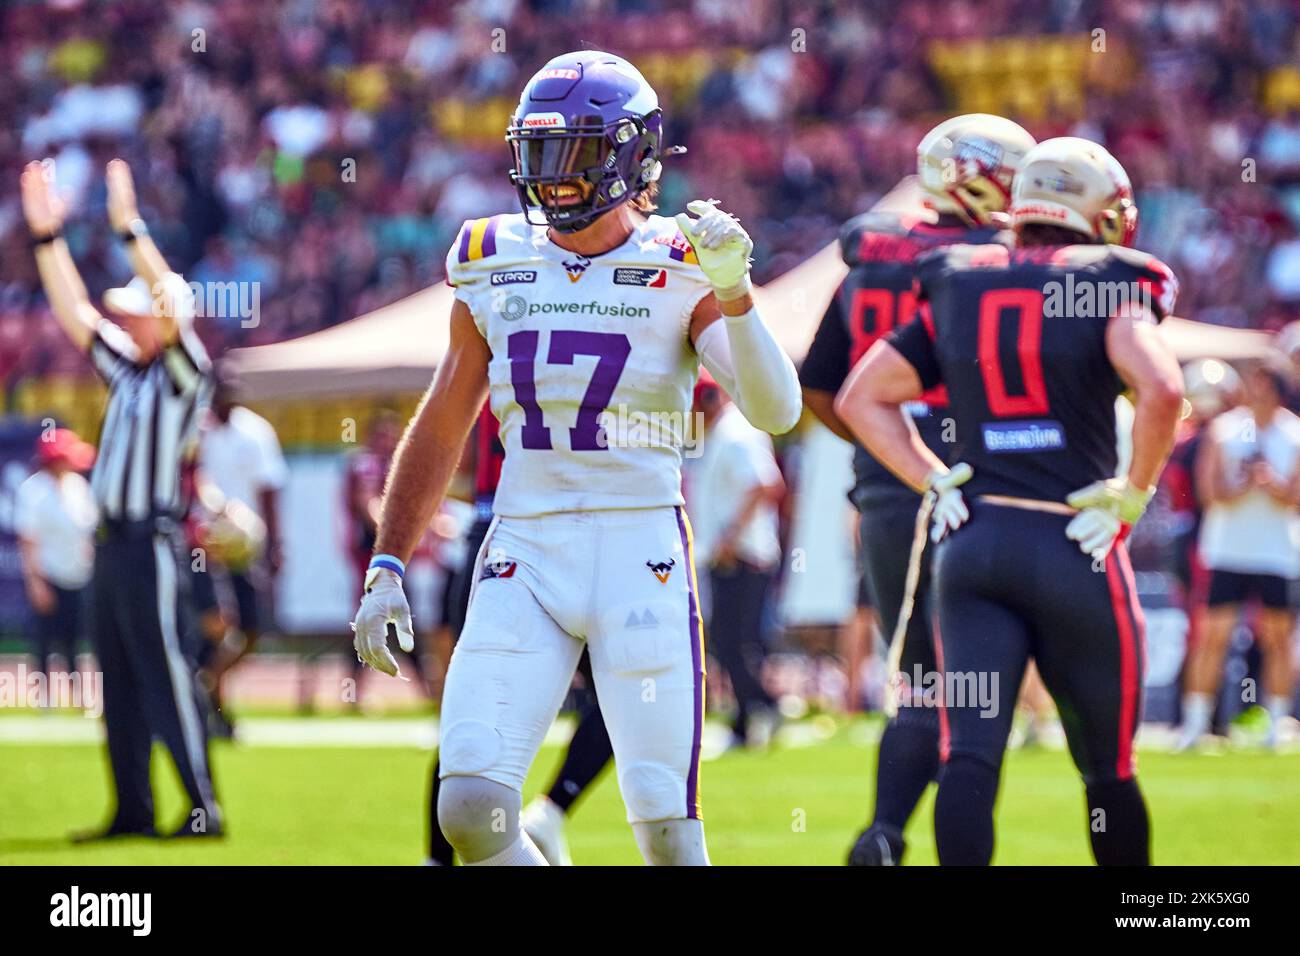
point(1118, 224)
point(981, 200)
point(574, 174)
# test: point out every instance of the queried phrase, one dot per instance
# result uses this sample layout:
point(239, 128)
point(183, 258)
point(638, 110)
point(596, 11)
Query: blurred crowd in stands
point(329, 150)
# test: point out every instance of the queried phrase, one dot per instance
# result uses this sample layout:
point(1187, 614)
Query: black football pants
point(1009, 585)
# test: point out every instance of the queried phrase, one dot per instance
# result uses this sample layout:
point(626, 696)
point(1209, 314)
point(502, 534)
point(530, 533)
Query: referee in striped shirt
point(158, 379)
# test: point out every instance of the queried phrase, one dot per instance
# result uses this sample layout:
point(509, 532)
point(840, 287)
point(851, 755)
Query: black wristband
point(45, 238)
point(135, 229)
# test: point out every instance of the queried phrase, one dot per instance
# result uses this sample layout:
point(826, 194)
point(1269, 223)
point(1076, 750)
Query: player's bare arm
point(146, 261)
point(431, 448)
point(822, 404)
point(422, 468)
point(870, 406)
point(1148, 366)
point(45, 210)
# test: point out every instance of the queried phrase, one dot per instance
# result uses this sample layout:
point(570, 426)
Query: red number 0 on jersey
point(1029, 304)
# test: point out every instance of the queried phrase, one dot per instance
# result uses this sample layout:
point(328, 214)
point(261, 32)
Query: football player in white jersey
point(585, 319)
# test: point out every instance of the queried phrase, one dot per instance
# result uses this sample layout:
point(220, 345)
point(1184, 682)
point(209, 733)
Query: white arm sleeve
point(753, 369)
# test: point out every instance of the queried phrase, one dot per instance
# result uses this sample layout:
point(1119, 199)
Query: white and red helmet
point(1076, 184)
point(966, 165)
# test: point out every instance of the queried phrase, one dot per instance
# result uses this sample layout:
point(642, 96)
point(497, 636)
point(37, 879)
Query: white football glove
point(384, 602)
point(1107, 510)
point(949, 511)
point(722, 246)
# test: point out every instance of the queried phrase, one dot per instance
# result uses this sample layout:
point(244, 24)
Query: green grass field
point(801, 805)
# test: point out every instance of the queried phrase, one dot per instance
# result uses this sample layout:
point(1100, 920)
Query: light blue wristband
point(388, 561)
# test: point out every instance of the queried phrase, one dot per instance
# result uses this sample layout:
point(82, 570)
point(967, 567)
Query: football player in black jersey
point(1034, 344)
point(965, 165)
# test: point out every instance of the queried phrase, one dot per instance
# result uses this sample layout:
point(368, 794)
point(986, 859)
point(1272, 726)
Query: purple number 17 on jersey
point(611, 350)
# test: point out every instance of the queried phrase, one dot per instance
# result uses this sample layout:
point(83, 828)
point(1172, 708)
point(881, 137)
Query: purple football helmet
point(586, 116)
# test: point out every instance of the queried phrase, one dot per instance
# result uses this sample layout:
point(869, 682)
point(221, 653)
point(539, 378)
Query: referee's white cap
point(132, 299)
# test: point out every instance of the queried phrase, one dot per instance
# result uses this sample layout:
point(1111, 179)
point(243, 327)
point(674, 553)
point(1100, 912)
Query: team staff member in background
point(1212, 388)
point(734, 490)
point(1248, 475)
point(965, 165)
point(157, 375)
point(1032, 394)
point(589, 750)
point(55, 518)
point(240, 456)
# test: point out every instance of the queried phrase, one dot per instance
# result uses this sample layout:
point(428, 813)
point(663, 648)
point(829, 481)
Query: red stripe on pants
point(1123, 602)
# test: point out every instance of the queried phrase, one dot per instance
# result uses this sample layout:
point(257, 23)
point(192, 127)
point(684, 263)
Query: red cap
point(62, 444)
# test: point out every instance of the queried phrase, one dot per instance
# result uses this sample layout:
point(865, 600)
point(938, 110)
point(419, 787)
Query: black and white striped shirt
point(153, 415)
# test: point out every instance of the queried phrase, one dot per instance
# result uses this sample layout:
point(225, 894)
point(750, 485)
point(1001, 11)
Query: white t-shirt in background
point(735, 458)
point(58, 515)
point(1254, 534)
point(242, 457)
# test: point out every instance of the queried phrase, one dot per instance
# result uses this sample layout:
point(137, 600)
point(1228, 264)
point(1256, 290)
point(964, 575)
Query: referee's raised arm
point(173, 303)
point(45, 210)
point(158, 378)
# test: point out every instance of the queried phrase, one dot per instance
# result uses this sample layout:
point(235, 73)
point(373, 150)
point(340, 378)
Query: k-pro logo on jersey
point(513, 276)
point(662, 569)
point(645, 278)
point(576, 266)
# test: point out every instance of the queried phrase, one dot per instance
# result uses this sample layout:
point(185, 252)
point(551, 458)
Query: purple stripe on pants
point(697, 667)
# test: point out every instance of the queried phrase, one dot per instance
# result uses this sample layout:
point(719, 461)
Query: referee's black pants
point(141, 627)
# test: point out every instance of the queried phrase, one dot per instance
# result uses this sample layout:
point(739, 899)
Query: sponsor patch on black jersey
point(1023, 436)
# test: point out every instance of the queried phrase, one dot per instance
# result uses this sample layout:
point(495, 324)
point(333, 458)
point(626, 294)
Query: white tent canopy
point(393, 349)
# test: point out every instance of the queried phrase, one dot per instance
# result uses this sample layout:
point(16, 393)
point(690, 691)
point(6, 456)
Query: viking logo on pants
point(662, 569)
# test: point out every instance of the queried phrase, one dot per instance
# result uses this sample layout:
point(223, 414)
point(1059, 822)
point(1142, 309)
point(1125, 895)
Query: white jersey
point(592, 366)
point(1254, 534)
